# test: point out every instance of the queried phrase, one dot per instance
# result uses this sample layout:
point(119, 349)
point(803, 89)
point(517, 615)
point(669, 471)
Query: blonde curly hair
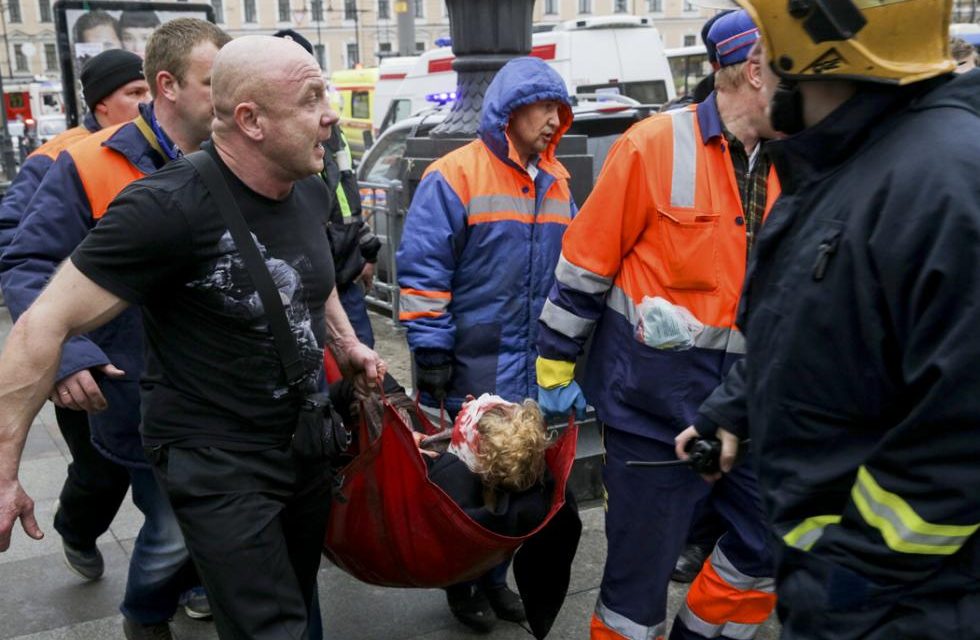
point(513, 441)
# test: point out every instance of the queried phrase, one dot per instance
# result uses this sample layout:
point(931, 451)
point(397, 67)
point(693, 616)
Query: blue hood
point(521, 81)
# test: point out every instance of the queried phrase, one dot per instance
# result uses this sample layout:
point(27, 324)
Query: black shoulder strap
point(283, 336)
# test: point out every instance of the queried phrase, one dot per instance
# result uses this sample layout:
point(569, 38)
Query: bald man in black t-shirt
point(218, 412)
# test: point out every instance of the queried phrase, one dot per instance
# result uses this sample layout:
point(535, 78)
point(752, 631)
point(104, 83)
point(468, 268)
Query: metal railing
point(384, 210)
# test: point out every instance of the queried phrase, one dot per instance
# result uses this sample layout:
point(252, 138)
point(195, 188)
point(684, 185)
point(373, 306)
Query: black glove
point(433, 371)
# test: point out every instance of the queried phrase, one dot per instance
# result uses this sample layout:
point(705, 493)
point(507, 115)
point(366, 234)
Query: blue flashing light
point(441, 98)
point(444, 41)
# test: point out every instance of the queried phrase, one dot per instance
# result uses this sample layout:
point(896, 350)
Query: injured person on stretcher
point(491, 462)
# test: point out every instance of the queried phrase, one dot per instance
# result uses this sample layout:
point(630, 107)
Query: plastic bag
point(666, 326)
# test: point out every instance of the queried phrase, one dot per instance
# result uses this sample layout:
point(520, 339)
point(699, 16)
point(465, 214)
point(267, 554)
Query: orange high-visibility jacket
point(28, 179)
point(665, 219)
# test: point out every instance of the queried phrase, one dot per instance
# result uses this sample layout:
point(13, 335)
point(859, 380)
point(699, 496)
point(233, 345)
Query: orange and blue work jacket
point(71, 199)
point(480, 245)
point(24, 186)
point(664, 220)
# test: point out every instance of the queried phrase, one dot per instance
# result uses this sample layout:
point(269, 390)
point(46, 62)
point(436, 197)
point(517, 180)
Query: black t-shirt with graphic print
point(212, 375)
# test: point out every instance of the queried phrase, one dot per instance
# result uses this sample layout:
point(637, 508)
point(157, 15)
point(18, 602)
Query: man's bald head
point(255, 69)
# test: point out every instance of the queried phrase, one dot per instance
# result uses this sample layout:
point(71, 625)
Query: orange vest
point(104, 172)
point(60, 142)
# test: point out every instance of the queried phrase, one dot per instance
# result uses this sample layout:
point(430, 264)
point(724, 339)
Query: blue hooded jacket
point(480, 245)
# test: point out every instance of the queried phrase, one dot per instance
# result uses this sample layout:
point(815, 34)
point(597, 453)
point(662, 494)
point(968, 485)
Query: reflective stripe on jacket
point(480, 245)
point(665, 220)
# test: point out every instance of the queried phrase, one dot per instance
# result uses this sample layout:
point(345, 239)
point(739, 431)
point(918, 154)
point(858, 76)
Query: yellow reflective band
point(901, 527)
point(805, 535)
point(554, 373)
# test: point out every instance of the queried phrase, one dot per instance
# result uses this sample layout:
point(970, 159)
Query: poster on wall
point(86, 28)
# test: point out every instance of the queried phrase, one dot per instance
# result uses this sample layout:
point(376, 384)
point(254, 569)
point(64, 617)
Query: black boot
point(506, 604)
point(470, 606)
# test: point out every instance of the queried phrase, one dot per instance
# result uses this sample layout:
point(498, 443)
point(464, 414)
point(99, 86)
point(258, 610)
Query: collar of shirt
point(171, 150)
point(532, 167)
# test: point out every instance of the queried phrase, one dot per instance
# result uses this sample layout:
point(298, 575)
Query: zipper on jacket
point(826, 250)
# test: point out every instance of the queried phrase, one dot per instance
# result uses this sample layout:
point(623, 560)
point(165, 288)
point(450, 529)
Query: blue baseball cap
point(731, 36)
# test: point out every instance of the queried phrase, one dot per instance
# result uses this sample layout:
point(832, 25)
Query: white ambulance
point(609, 54)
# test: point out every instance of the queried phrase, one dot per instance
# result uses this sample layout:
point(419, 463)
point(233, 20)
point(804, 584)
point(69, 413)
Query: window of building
point(690, 40)
point(50, 57)
point(585, 6)
point(655, 6)
point(44, 10)
point(321, 55)
point(688, 7)
point(384, 47)
point(20, 60)
point(350, 9)
point(418, 8)
point(219, 10)
point(250, 11)
point(419, 47)
point(619, 6)
point(317, 10)
point(353, 56)
point(283, 10)
point(384, 9)
point(14, 7)
point(551, 7)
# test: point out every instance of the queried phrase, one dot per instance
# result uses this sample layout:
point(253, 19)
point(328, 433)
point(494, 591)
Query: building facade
point(344, 32)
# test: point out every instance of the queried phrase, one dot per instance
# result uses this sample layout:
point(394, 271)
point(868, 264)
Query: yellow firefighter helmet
point(893, 41)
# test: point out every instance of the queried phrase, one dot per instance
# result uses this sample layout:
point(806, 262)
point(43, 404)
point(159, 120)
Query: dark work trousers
point(647, 517)
point(352, 300)
point(707, 527)
point(254, 523)
point(94, 488)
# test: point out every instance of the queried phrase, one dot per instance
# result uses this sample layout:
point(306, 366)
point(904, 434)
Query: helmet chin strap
point(786, 108)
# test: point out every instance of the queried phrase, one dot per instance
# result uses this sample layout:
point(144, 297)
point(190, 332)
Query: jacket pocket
point(475, 363)
point(656, 382)
point(688, 249)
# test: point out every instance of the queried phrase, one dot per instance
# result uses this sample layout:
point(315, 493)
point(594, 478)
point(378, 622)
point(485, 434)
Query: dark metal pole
point(485, 36)
point(6, 45)
point(6, 147)
point(318, 17)
point(357, 32)
point(406, 28)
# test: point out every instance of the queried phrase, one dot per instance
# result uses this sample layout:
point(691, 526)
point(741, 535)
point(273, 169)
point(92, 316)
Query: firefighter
point(860, 313)
point(665, 234)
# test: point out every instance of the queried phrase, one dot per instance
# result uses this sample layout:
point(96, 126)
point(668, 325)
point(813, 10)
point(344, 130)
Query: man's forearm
point(338, 324)
point(28, 367)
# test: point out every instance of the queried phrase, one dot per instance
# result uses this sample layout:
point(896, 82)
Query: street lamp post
point(318, 18)
point(6, 147)
point(357, 22)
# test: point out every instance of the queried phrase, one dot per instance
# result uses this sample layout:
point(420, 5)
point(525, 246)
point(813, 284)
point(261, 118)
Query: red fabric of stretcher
point(390, 526)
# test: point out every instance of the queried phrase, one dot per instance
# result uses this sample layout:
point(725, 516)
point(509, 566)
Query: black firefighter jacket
point(861, 389)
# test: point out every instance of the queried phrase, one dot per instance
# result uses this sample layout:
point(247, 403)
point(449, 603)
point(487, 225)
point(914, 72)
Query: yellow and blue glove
point(558, 393)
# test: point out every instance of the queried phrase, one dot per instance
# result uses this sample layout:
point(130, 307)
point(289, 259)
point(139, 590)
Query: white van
point(391, 72)
point(609, 54)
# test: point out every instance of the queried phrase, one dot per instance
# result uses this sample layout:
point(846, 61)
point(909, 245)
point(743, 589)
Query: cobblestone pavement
point(41, 600)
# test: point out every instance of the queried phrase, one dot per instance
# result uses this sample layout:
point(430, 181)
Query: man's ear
point(753, 68)
point(167, 85)
point(250, 120)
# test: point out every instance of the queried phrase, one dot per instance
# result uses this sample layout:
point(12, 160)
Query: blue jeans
point(159, 569)
point(352, 300)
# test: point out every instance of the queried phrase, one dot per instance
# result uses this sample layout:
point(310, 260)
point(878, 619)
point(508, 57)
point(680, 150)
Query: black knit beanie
point(108, 71)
